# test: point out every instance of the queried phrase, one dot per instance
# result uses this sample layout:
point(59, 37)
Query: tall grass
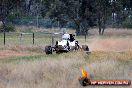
point(110, 58)
point(63, 71)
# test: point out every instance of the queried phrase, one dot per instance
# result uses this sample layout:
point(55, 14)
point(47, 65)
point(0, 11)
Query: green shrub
point(10, 28)
point(127, 23)
point(1, 28)
point(28, 30)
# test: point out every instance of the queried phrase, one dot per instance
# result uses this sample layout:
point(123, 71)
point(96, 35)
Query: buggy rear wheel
point(48, 49)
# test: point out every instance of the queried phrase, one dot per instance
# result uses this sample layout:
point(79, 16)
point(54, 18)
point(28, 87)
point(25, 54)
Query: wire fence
point(9, 38)
point(35, 38)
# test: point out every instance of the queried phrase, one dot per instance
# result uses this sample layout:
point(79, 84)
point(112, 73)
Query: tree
point(6, 7)
point(103, 11)
point(77, 11)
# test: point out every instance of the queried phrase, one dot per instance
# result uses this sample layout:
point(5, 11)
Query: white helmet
point(66, 36)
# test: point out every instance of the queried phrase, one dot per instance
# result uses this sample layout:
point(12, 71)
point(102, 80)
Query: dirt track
point(11, 53)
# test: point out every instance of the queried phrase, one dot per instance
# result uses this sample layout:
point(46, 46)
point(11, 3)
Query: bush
point(127, 23)
point(10, 28)
point(1, 28)
point(28, 30)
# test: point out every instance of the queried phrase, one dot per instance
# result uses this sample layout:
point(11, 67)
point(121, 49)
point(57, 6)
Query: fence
point(8, 38)
point(37, 38)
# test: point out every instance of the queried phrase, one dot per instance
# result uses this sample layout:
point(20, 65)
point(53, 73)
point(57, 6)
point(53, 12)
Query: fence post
point(20, 38)
point(85, 37)
point(52, 38)
point(33, 38)
point(4, 37)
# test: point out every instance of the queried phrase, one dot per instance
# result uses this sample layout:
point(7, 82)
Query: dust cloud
point(110, 44)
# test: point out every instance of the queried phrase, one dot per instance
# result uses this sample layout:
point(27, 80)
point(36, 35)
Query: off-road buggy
point(68, 43)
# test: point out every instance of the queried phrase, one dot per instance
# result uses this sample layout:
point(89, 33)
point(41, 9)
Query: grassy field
point(27, 66)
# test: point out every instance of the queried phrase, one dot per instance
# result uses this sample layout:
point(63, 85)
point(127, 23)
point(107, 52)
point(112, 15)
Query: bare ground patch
point(11, 53)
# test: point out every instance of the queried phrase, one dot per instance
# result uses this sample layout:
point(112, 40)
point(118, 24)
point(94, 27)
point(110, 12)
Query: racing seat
point(71, 38)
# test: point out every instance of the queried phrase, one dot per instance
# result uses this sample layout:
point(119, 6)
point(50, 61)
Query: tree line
point(85, 14)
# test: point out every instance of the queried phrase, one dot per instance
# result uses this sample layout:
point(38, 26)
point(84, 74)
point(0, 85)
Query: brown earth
point(11, 53)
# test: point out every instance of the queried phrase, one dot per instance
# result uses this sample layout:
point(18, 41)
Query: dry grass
point(111, 58)
point(112, 32)
point(64, 71)
point(10, 51)
point(39, 74)
point(19, 48)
